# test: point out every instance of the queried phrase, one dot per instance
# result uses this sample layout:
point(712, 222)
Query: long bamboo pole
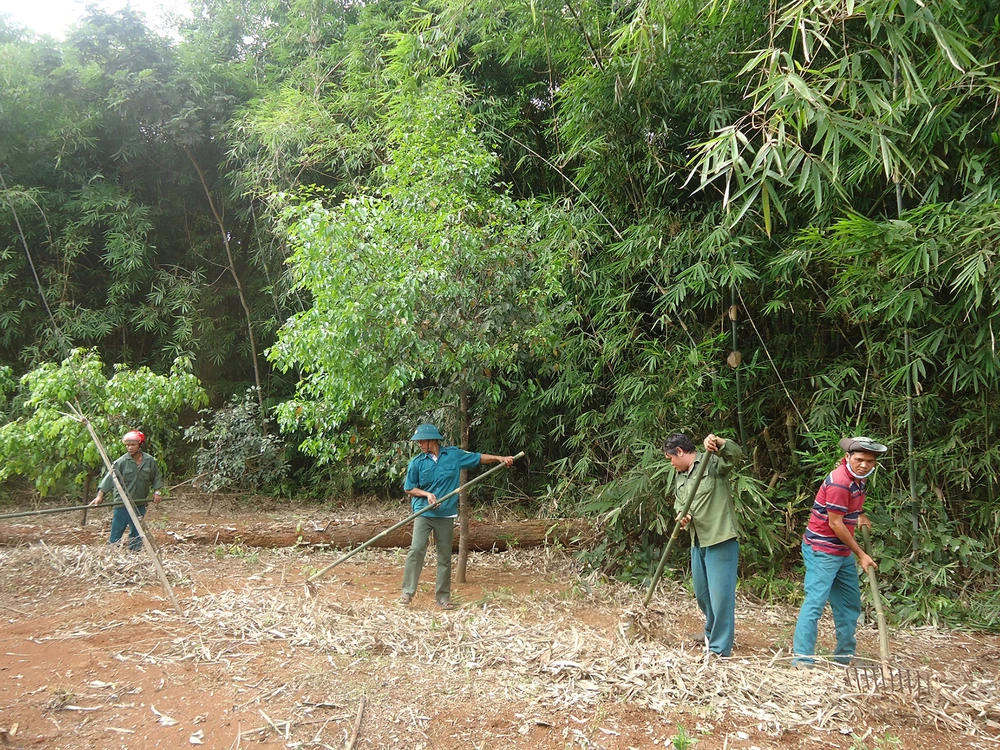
point(692, 484)
point(147, 542)
point(48, 511)
point(320, 573)
point(910, 455)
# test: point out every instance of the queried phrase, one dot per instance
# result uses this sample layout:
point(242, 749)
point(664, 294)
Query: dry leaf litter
point(532, 648)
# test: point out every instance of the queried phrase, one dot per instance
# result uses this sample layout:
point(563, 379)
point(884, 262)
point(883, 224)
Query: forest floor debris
point(535, 655)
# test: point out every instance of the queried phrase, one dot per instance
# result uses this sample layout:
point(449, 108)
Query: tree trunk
point(236, 278)
point(483, 535)
point(463, 496)
point(86, 497)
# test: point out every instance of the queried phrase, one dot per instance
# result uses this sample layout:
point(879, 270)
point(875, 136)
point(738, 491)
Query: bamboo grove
point(564, 227)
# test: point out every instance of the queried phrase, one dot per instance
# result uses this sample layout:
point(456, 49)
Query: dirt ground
point(93, 655)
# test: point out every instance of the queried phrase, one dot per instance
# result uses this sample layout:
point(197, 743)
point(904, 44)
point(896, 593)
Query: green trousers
point(444, 534)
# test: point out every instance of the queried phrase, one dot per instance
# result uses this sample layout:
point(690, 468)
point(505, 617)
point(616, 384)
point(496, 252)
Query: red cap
point(134, 435)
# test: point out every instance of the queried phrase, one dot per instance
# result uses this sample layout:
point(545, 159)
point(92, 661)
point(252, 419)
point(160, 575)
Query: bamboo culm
point(47, 511)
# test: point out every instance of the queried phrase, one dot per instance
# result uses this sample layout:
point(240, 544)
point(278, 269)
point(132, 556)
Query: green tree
point(47, 445)
point(430, 280)
point(108, 140)
point(427, 293)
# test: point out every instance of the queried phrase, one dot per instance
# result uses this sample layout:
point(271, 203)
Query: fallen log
point(483, 535)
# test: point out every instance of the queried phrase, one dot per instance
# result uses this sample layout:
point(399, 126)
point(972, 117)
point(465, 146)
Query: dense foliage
point(568, 228)
point(236, 450)
point(45, 442)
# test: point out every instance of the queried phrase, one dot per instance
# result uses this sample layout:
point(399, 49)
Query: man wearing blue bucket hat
point(829, 551)
point(433, 474)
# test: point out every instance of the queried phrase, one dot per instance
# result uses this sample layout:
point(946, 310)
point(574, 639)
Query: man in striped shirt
point(829, 551)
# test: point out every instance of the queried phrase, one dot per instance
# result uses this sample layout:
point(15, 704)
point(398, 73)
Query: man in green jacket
point(138, 473)
point(712, 522)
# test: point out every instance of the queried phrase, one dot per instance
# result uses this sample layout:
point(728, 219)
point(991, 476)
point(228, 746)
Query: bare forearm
point(844, 534)
point(489, 458)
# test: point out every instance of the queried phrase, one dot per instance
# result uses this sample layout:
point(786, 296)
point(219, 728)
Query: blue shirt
point(439, 477)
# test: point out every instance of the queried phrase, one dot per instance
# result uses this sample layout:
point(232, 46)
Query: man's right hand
point(713, 443)
point(684, 521)
point(96, 500)
point(431, 498)
point(866, 562)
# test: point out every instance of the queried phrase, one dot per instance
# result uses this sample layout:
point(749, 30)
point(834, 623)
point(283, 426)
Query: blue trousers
point(120, 520)
point(834, 579)
point(713, 572)
point(444, 537)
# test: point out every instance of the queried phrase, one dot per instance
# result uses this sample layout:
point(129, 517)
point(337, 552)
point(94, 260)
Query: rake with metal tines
point(882, 676)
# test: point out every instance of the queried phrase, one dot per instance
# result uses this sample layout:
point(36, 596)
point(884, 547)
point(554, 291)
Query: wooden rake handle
point(883, 630)
point(692, 489)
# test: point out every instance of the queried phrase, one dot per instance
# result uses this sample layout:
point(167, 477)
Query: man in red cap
point(137, 471)
point(829, 551)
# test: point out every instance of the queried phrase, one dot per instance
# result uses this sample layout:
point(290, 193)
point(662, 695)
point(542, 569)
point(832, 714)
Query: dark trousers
point(120, 520)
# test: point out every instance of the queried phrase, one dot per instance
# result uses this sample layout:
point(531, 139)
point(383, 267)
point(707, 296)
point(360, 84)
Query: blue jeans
point(834, 579)
point(713, 573)
point(444, 537)
point(120, 520)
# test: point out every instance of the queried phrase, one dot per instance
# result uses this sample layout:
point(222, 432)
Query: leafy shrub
point(45, 444)
point(235, 449)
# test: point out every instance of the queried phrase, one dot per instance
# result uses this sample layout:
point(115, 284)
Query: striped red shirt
point(844, 494)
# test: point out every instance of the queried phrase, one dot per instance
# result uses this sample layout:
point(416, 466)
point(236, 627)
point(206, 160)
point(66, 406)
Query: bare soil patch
point(536, 655)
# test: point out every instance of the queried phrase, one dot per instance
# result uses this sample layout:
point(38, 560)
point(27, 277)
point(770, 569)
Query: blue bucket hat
point(427, 431)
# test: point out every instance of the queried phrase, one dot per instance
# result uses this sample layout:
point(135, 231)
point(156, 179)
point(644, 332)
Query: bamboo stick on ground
point(357, 725)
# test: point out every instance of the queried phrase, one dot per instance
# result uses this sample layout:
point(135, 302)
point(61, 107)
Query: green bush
point(235, 448)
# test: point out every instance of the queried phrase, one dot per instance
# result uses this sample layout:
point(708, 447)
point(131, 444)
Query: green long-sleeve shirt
point(713, 517)
point(137, 479)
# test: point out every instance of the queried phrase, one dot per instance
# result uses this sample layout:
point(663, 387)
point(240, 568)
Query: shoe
point(697, 639)
point(445, 603)
point(405, 598)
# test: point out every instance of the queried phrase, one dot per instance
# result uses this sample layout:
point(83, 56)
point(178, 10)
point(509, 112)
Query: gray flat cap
point(851, 444)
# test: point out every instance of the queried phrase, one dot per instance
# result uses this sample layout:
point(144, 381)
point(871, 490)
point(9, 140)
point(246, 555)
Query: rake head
point(881, 678)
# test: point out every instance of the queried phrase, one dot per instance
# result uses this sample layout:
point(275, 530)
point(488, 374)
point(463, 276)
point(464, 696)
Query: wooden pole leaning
point(320, 573)
point(692, 485)
point(147, 541)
